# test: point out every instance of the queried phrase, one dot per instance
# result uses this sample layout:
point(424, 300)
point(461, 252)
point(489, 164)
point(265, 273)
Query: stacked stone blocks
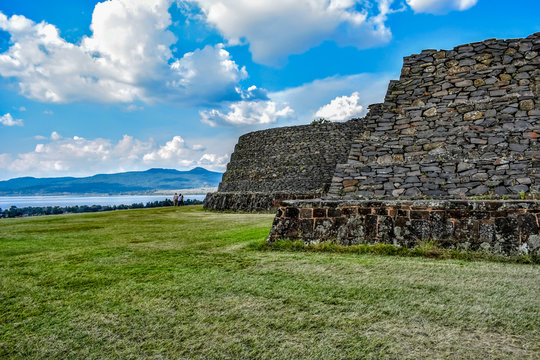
point(456, 132)
point(502, 227)
point(295, 162)
point(458, 124)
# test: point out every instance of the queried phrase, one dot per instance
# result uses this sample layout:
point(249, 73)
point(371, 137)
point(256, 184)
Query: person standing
point(175, 199)
point(181, 200)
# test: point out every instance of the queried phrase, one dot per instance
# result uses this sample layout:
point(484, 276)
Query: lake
point(40, 201)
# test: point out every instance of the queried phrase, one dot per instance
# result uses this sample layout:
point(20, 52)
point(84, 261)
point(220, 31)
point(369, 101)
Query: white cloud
point(198, 147)
point(341, 108)
point(172, 150)
point(307, 100)
point(55, 136)
point(247, 113)
point(302, 104)
point(125, 59)
point(5, 161)
point(208, 74)
point(440, 6)
point(133, 108)
point(77, 156)
point(276, 29)
point(8, 120)
point(213, 160)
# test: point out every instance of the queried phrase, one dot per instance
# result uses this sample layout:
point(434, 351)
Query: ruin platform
point(501, 227)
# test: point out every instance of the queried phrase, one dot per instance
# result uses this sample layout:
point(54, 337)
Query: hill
point(120, 183)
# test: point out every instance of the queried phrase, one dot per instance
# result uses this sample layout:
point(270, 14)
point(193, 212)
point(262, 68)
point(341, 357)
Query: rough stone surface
point(503, 227)
point(477, 135)
point(245, 201)
point(283, 163)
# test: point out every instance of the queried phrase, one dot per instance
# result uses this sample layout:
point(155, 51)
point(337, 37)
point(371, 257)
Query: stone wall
point(502, 227)
point(246, 201)
point(458, 123)
point(283, 163)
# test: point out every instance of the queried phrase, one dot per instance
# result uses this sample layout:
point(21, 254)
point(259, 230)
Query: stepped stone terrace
point(451, 155)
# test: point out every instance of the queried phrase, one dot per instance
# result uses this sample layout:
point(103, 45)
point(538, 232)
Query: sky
point(90, 87)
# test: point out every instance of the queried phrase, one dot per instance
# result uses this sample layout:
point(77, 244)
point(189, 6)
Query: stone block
point(486, 231)
point(333, 212)
point(420, 230)
point(355, 229)
point(472, 115)
point(526, 105)
point(528, 224)
point(350, 183)
point(292, 212)
point(479, 82)
point(398, 192)
point(464, 83)
point(430, 112)
point(306, 213)
point(479, 190)
point(319, 212)
point(370, 231)
point(349, 210)
point(305, 228)
point(506, 234)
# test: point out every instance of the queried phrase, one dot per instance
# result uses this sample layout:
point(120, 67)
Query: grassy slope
point(182, 283)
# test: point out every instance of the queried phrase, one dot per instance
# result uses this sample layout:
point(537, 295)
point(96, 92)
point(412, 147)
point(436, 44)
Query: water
point(40, 201)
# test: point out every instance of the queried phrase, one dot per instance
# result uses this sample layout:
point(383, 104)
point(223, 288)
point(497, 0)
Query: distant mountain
point(121, 183)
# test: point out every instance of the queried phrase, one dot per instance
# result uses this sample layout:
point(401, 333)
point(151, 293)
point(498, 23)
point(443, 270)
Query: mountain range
point(113, 184)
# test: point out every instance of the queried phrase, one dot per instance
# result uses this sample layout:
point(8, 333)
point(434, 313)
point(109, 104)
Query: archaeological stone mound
point(459, 127)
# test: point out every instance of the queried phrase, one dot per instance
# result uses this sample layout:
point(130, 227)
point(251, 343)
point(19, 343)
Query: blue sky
point(92, 87)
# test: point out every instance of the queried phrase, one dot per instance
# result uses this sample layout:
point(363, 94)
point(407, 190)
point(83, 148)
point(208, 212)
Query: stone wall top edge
point(224, 193)
point(424, 52)
point(419, 203)
point(299, 127)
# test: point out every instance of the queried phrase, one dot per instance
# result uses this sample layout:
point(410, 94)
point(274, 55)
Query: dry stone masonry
point(455, 138)
point(458, 123)
point(501, 227)
point(294, 162)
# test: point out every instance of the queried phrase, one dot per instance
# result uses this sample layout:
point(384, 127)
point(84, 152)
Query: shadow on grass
point(428, 249)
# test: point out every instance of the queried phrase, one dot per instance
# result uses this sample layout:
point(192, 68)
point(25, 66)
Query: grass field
point(175, 283)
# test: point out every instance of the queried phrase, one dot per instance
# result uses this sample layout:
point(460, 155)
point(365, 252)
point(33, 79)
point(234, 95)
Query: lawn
point(183, 283)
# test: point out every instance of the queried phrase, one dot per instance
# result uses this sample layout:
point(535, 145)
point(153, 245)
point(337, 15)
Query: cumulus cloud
point(208, 74)
point(173, 149)
point(198, 147)
point(7, 120)
point(247, 113)
point(440, 6)
point(276, 29)
point(308, 99)
point(78, 156)
point(299, 105)
point(341, 108)
point(127, 58)
point(5, 160)
point(214, 160)
point(55, 136)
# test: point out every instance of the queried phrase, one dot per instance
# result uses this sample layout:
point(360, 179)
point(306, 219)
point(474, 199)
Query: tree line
point(14, 211)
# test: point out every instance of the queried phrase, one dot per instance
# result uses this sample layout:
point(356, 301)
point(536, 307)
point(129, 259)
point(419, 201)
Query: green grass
point(430, 249)
point(175, 283)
